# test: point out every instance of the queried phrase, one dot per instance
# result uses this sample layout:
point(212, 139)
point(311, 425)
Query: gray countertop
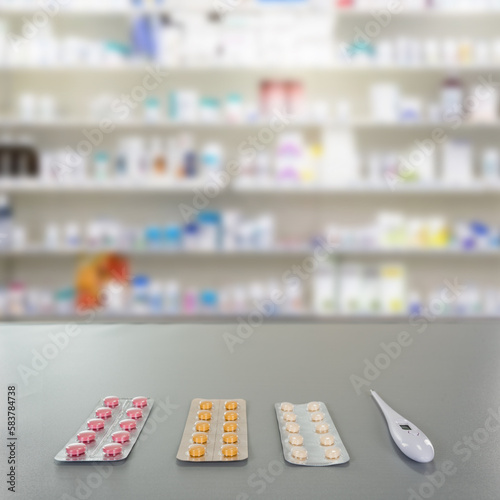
point(446, 380)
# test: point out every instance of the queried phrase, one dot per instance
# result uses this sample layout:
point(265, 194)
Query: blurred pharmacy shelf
point(301, 208)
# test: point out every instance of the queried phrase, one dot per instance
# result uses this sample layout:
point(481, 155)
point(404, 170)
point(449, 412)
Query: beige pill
point(200, 438)
point(322, 428)
point(229, 450)
point(230, 427)
point(296, 440)
point(230, 438)
point(318, 417)
point(231, 405)
point(293, 427)
point(286, 407)
point(202, 426)
point(196, 450)
point(289, 417)
point(230, 416)
point(332, 453)
point(327, 440)
point(313, 407)
point(299, 453)
point(206, 405)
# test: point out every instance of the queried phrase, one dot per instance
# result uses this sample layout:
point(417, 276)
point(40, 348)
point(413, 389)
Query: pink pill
point(140, 402)
point(76, 449)
point(96, 424)
point(111, 401)
point(120, 436)
point(86, 436)
point(103, 413)
point(134, 413)
point(128, 424)
point(112, 449)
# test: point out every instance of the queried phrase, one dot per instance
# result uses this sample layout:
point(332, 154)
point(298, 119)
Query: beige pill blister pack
point(309, 436)
point(216, 431)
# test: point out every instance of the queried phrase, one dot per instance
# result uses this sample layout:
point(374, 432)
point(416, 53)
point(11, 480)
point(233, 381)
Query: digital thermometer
point(408, 437)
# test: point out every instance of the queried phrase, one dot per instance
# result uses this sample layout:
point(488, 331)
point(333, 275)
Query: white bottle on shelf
point(212, 158)
point(171, 299)
point(341, 165)
point(457, 162)
point(325, 289)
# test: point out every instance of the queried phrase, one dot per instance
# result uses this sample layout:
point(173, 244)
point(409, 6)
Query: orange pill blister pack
point(216, 431)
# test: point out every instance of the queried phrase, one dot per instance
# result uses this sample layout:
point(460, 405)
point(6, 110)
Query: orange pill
point(206, 405)
point(196, 450)
point(230, 427)
point(231, 416)
point(229, 450)
point(202, 426)
point(231, 405)
point(230, 437)
point(200, 438)
point(205, 415)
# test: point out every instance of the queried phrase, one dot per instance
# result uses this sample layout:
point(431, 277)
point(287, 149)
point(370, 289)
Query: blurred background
point(302, 159)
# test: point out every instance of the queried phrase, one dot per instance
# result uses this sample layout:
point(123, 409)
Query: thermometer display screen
point(405, 427)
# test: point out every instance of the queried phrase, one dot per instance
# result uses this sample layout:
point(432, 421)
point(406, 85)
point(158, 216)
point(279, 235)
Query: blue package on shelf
point(140, 293)
point(210, 230)
point(156, 300)
point(144, 37)
point(153, 236)
point(191, 228)
point(191, 236)
point(173, 237)
point(208, 300)
point(481, 234)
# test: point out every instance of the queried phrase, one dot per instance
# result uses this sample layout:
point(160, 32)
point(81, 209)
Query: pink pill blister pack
point(110, 432)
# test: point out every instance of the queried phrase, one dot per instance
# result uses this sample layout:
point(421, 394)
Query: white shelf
point(254, 189)
point(104, 187)
point(175, 7)
point(214, 68)
point(132, 124)
point(142, 66)
point(306, 317)
point(416, 252)
point(418, 13)
point(408, 125)
point(148, 253)
point(251, 8)
point(343, 252)
point(369, 189)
